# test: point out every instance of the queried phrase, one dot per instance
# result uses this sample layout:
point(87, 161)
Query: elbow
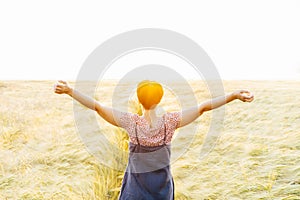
point(97, 108)
point(201, 111)
point(203, 108)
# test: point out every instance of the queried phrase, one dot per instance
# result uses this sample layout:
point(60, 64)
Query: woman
point(148, 173)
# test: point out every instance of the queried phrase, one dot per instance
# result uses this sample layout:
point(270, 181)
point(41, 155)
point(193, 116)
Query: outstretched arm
point(108, 114)
point(189, 115)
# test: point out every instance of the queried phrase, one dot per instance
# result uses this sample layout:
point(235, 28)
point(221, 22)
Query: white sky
point(246, 39)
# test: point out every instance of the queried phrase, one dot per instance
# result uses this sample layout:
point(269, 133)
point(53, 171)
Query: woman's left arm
point(189, 115)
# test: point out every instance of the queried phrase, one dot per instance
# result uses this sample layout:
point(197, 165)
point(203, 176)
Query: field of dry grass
point(257, 155)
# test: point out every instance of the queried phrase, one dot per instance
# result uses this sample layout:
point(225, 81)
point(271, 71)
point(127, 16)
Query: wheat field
point(256, 156)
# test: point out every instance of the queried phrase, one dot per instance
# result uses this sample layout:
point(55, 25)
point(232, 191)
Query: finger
point(247, 95)
point(61, 81)
point(58, 89)
point(250, 96)
point(245, 92)
point(249, 99)
point(59, 86)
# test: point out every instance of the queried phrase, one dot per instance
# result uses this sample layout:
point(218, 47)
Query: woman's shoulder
point(127, 118)
point(129, 115)
point(172, 116)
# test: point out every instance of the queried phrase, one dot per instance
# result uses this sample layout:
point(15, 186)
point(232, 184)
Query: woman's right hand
point(62, 87)
point(244, 95)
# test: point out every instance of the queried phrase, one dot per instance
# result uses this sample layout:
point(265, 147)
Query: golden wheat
point(256, 156)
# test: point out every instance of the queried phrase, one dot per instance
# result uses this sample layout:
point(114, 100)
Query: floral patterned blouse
point(150, 136)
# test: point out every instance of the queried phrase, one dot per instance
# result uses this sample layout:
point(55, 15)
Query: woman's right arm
point(110, 115)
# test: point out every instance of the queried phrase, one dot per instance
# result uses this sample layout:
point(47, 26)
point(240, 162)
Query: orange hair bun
point(149, 93)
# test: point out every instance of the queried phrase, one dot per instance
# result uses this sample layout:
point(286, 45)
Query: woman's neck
point(150, 115)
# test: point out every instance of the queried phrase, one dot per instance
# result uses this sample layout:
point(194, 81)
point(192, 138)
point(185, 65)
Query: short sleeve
point(173, 120)
point(126, 120)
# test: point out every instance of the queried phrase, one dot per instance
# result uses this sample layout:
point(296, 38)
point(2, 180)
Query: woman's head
point(149, 93)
